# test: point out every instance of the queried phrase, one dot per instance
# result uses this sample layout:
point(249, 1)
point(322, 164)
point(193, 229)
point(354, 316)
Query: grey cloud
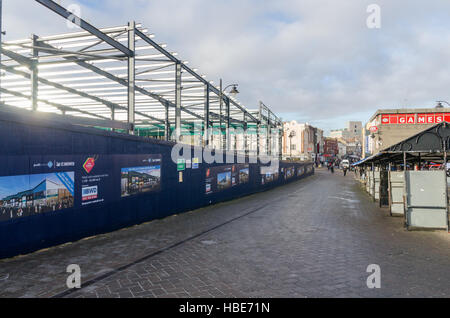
point(313, 60)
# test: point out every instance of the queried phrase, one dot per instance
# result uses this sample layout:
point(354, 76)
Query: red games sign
point(409, 119)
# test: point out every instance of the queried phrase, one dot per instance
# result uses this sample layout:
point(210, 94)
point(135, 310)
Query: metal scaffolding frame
point(119, 78)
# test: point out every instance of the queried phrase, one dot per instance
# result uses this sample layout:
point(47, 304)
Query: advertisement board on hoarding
point(143, 176)
point(268, 174)
point(55, 183)
point(224, 177)
point(26, 195)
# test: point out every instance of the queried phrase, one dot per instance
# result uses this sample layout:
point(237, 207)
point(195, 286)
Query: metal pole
point(167, 123)
point(280, 141)
point(206, 117)
point(389, 189)
point(258, 127)
point(245, 135)
point(1, 39)
point(220, 116)
point(268, 135)
point(446, 180)
point(290, 146)
point(227, 144)
point(34, 74)
point(113, 115)
point(405, 192)
point(131, 76)
point(178, 100)
point(404, 161)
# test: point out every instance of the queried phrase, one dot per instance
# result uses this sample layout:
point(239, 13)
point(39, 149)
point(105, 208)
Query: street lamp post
point(439, 103)
point(233, 91)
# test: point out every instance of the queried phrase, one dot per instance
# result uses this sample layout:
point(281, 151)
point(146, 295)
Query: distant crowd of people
point(8, 212)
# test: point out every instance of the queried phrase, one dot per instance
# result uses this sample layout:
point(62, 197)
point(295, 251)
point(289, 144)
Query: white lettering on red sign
point(409, 119)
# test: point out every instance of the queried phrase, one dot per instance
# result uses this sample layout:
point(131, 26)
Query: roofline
point(388, 151)
point(407, 111)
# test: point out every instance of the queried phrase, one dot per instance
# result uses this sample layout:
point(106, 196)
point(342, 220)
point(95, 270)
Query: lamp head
point(234, 91)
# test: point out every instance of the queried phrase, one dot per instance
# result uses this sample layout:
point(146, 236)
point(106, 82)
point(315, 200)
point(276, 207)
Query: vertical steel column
point(1, 39)
point(258, 127)
point(113, 116)
point(227, 144)
point(268, 135)
point(131, 76)
point(206, 117)
point(178, 101)
point(404, 161)
point(280, 141)
point(34, 74)
point(235, 141)
point(167, 123)
point(245, 137)
point(220, 116)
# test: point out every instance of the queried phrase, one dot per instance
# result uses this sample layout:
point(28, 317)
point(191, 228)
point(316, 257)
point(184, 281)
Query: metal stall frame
point(429, 145)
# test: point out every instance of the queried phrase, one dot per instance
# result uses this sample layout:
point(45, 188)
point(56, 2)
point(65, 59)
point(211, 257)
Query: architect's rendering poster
point(140, 174)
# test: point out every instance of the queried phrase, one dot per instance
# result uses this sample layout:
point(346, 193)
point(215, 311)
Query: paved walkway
point(311, 238)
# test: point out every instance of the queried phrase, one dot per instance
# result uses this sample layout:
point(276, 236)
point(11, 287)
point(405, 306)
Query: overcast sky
point(313, 61)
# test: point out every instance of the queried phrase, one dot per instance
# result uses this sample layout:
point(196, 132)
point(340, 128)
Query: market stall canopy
point(428, 145)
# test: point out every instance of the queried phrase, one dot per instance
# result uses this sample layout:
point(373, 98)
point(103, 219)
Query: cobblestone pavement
point(311, 238)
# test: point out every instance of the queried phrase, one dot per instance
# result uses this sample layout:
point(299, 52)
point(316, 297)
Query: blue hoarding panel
point(60, 183)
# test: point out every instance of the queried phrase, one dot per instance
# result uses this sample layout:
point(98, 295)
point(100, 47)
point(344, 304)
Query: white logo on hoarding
point(89, 193)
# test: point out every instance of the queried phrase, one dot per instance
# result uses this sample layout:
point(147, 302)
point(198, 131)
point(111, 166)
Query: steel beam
point(17, 57)
point(34, 75)
point(74, 91)
point(167, 123)
point(68, 119)
point(206, 117)
point(258, 127)
point(131, 76)
point(280, 142)
point(178, 89)
point(227, 127)
point(61, 107)
point(245, 137)
point(59, 86)
point(85, 26)
point(116, 79)
point(157, 46)
point(268, 136)
point(187, 69)
point(1, 37)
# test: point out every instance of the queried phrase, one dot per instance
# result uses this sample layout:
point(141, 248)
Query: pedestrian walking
point(345, 171)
